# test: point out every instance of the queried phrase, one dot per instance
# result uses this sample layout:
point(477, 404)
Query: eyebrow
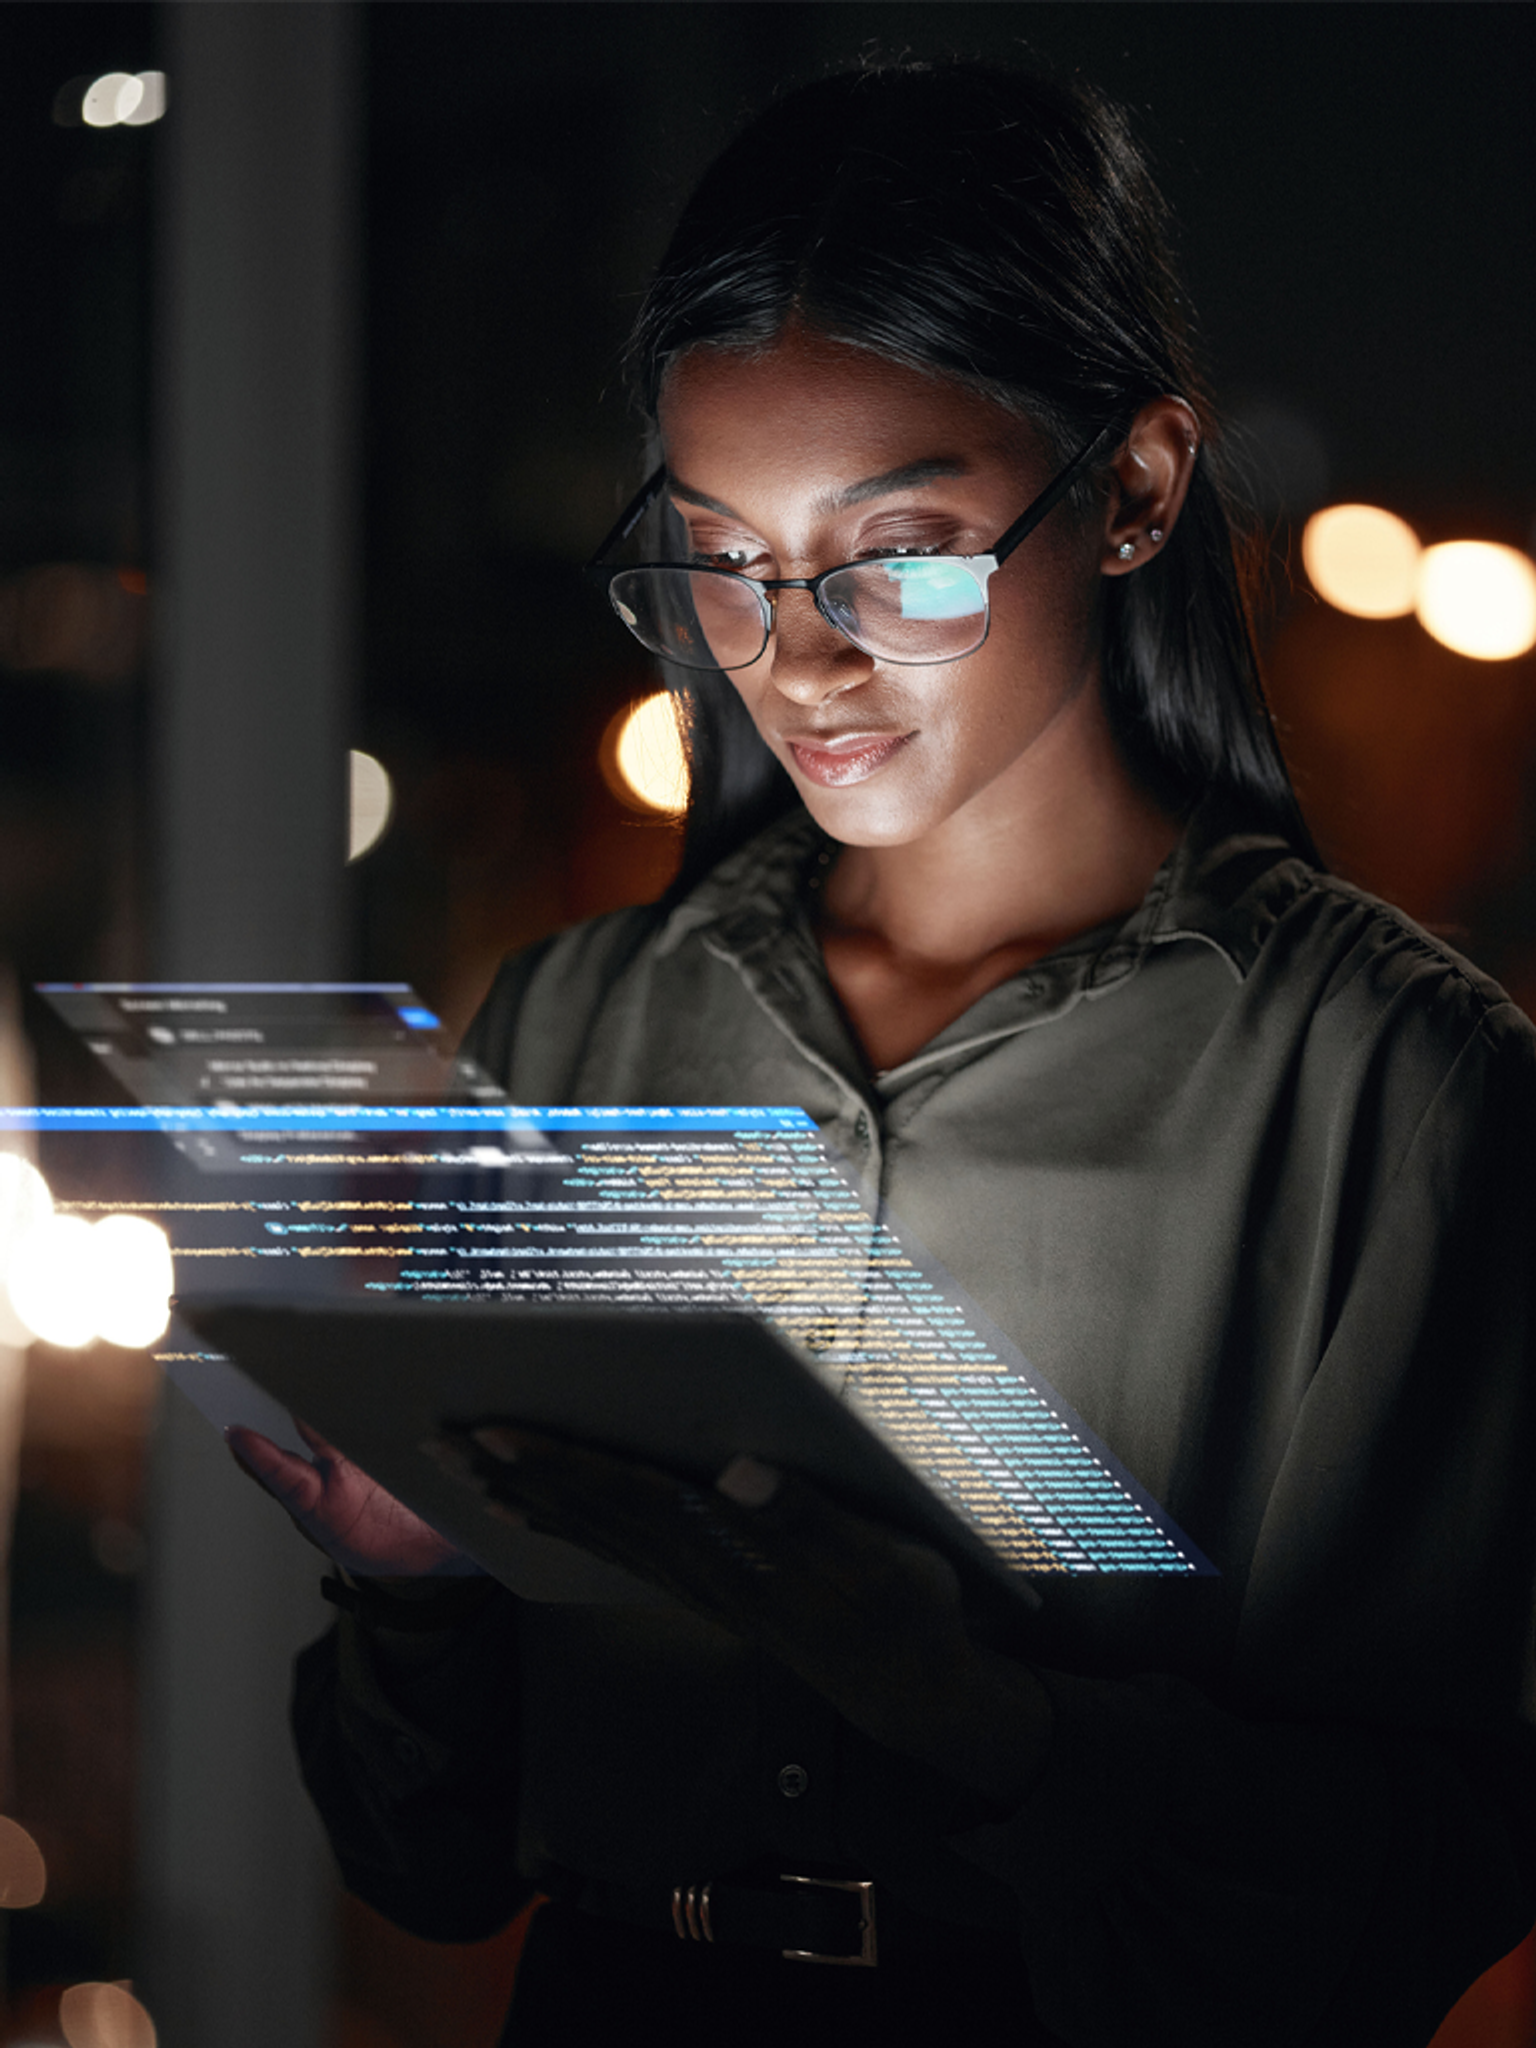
point(904, 478)
point(907, 476)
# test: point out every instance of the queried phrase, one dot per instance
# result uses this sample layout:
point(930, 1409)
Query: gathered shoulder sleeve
point(535, 1025)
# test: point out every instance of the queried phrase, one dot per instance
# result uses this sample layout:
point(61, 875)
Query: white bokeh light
point(126, 99)
point(372, 799)
point(1478, 599)
point(71, 1282)
point(134, 1280)
point(51, 1281)
point(1362, 560)
point(111, 99)
point(646, 749)
point(151, 105)
point(24, 1203)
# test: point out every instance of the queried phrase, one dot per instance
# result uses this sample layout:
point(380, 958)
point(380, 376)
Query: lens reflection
point(908, 610)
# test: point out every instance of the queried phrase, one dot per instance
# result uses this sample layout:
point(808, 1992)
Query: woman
point(1011, 892)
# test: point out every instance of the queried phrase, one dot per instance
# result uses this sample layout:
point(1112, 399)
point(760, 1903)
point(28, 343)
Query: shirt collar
point(1224, 885)
point(1227, 883)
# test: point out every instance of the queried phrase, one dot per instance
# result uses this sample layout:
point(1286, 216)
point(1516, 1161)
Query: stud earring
point(1155, 535)
point(1126, 549)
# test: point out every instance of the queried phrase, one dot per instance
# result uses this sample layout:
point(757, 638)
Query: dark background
point(1355, 192)
point(1354, 184)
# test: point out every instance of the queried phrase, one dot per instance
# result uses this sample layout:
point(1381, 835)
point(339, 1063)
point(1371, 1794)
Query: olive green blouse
point(1249, 1179)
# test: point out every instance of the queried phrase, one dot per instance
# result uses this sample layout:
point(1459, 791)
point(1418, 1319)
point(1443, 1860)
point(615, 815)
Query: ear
point(1149, 480)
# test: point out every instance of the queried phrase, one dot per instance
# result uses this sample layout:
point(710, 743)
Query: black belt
point(808, 1919)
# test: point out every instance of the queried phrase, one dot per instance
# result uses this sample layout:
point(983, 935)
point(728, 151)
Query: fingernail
point(501, 1443)
point(748, 1482)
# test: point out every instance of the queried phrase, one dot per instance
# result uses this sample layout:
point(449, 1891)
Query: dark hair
point(1004, 230)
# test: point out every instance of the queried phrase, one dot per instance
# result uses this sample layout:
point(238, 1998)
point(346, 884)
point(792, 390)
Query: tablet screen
point(671, 1208)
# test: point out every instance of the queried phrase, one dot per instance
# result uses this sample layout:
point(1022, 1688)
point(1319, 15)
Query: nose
point(810, 659)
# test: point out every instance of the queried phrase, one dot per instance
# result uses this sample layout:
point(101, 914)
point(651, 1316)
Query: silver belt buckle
point(868, 1955)
point(691, 1911)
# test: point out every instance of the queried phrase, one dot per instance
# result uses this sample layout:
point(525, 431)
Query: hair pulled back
point(1003, 230)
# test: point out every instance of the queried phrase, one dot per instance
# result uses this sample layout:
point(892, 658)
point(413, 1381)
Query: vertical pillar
point(255, 572)
point(254, 445)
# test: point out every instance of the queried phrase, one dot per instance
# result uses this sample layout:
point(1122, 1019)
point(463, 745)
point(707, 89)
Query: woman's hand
point(871, 1620)
point(339, 1509)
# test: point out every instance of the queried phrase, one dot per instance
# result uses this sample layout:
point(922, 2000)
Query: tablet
point(666, 1213)
point(688, 1391)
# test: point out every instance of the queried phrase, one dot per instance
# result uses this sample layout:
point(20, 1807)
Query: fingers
point(872, 1620)
point(290, 1480)
point(621, 1510)
point(762, 1551)
point(337, 1507)
point(316, 1441)
point(286, 1476)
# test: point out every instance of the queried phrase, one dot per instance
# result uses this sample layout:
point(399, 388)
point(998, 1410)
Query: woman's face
point(814, 454)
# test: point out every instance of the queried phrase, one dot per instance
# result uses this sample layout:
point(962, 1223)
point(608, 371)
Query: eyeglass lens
point(906, 609)
point(691, 617)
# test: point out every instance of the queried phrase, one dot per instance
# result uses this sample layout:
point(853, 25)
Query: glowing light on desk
point(645, 747)
point(1479, 599)
point(1362, 560)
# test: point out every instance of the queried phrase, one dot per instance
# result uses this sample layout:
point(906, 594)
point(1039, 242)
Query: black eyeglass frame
point(983, 566)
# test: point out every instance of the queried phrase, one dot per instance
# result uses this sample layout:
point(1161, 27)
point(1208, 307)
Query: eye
point(738, 559)
point(714, 546)
point(912, 531)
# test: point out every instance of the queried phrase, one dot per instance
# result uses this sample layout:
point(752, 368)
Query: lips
point(837, 759)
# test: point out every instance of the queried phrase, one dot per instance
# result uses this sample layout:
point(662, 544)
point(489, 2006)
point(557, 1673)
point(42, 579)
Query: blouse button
point(793, 1780)
point(861, 1128)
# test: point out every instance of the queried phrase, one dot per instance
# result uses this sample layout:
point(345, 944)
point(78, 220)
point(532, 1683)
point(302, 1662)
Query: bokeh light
point(1479, 599)
point(110, 99)
point(71, 1282)
point(1362, 560)
point(151, 106)
point(23, 1875)
point(123, 99)
point(74, 616)
point(24, 1199)
point(104, 2016)
point(49, 1281)
point(134, 1280)
point(24, 1203)
point(644, 746)
point(372, 799)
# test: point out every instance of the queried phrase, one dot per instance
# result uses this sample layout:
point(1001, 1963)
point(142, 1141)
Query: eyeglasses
point(906, 609)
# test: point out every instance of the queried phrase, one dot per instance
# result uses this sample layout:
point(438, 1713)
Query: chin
point(861, 818)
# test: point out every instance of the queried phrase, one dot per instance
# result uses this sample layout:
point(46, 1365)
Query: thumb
point(290, 1479)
